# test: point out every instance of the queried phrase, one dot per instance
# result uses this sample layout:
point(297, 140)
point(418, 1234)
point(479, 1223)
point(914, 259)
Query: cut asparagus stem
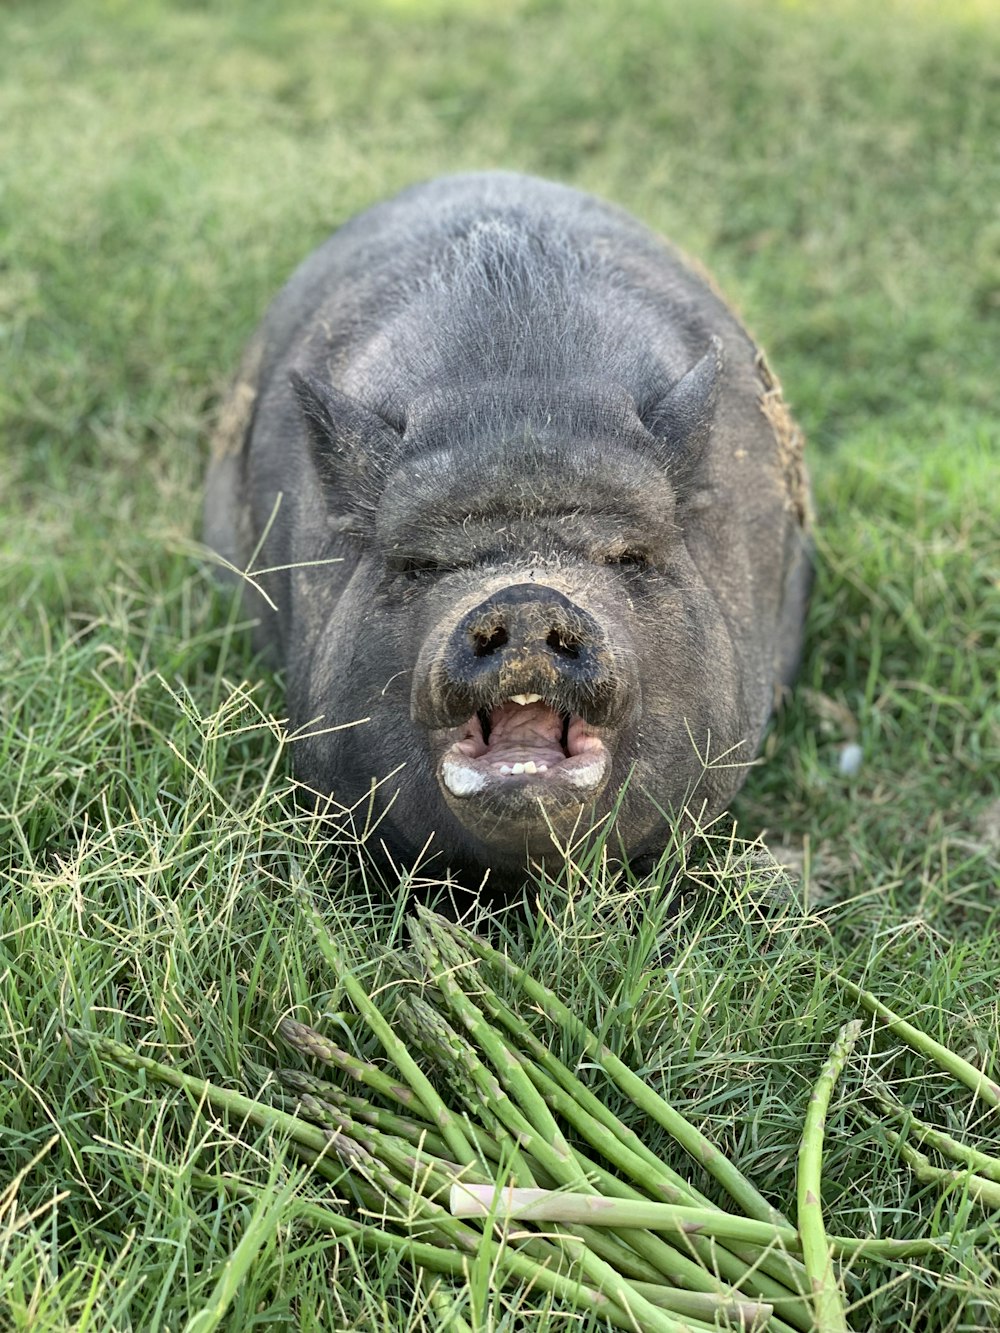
point(689, 1256)
point(816, 1251)
point(433, 1183)
point(431, 1179)
point(983, 1087)
point(648, 1318)
point(478, 1200)
point(429, 1224)
point(545, 1251)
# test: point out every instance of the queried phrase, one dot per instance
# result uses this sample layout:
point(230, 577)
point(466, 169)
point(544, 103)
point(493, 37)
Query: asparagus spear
point(417, 1132)
point(474, 1199)
point(318, 1141)
point(985, 1192)
point(408, 1162)
point(816, 1252)
point(508, 1069)
point(418, 1081)
point(982, 1086)
point(315, 1046)
point(747, 1315)
point(982, 1163)
point(369, 1176)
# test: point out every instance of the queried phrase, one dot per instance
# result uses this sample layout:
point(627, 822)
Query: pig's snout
point(527, 630)
point(527, 643)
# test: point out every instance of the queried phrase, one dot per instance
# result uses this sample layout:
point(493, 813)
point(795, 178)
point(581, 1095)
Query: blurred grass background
point(163, 167)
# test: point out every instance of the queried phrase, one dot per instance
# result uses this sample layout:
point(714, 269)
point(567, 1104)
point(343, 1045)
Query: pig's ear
point(350, 444)
point(681, 420)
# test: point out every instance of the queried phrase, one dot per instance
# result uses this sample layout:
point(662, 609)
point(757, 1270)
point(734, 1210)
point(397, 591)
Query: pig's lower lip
point(523, 742)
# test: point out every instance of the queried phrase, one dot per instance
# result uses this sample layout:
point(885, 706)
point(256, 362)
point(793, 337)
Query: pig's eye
point(416, 567)
point(627, 559)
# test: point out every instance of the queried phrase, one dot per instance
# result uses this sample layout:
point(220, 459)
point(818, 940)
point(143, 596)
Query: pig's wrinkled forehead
point(473, 414)
point(471, 457)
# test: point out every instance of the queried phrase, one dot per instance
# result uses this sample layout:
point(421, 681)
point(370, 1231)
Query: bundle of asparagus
point(510, 1089)
point(608, 1228)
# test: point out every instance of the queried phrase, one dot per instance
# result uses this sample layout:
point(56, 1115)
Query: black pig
point(532, 514)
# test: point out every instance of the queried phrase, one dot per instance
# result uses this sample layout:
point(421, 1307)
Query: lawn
point(163, 166)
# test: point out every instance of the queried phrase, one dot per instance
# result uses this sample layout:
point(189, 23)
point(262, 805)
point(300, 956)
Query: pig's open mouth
point(523, 741)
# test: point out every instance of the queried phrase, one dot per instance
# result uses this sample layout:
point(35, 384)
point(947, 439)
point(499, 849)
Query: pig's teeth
point(505, 769)
point(517, 768)
point(542, 768)
point(525, 699)
point(529, 767)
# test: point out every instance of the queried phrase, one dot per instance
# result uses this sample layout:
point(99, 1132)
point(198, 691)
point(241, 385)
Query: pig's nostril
point(485, 645)
point(563, 644)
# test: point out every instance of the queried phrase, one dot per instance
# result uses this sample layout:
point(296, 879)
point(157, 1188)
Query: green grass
point(162, 168)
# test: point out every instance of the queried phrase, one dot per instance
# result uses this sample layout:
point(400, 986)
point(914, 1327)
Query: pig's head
point(545, 641)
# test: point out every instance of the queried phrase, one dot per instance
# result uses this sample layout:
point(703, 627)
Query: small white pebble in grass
point(849, 763)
